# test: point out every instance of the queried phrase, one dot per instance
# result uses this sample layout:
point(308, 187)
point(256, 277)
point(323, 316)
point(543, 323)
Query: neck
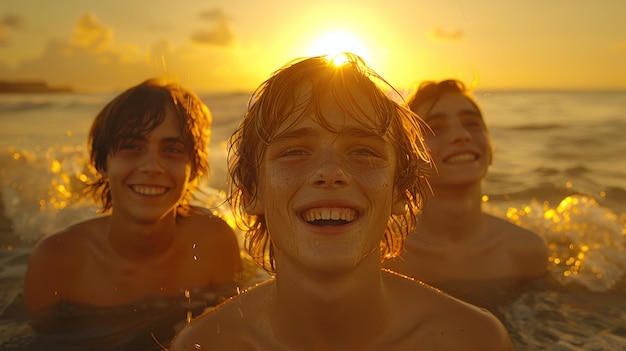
point(141, 241)
point(330, 309)
point(462, 204)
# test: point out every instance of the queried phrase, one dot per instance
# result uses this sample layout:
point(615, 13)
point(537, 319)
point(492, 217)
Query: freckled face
point(327, 195)
point(460, 147)
point(149, 174)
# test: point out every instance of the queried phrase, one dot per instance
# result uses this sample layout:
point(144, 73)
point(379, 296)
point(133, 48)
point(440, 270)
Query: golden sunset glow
point(234, 45)
point(335, 42)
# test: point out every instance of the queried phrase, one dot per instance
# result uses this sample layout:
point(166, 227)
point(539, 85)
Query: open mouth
point(329, 216)
point(149, 190)
point(461, 158)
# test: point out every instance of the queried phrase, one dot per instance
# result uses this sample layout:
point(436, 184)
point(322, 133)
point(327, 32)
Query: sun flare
point(334, 42)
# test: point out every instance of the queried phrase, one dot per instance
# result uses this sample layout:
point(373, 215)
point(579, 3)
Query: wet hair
point(429, 93)
point(302, 88)
point(137, 112)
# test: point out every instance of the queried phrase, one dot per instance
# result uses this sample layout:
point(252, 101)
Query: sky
point(234, 45)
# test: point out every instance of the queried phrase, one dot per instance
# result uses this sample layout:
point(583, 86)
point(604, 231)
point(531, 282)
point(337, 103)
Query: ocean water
point(559, 169)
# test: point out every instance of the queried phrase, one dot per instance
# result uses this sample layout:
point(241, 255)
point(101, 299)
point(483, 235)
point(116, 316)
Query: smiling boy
point(326, 174)
point(150, 148)
point(487, 248)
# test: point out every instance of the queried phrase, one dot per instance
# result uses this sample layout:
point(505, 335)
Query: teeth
point(329, 213)
point(461, 158)
point(149, 190)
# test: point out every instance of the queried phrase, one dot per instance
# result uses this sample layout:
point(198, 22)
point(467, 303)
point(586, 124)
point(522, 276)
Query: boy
point(149, 146)
point(325, 172)
point(454, 240)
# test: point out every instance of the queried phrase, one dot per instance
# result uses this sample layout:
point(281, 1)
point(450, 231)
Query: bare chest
point(103, 282)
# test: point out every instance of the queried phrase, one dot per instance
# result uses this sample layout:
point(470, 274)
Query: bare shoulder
point(211, 241)
point(67, 244)
point(205, 224)
point(528, 249)
point(56, 259)
point(471, 328)
point(211, 230)
point(239, 323)
point(437, 321)
point(518, 237)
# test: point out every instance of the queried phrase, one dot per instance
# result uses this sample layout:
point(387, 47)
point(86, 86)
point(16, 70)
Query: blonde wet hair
point(301, 88)
point(137, 112)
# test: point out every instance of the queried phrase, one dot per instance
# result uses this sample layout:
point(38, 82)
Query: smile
point(460, 158)
point(329, 216)
point(149, 190)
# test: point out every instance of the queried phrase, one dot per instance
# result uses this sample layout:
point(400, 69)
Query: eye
point(175, 148)
point(292, 152)
point(474, 125)
point(436, 125)
point(364, 151)
point(130, 145)
point(473, 121)
point(371, 156)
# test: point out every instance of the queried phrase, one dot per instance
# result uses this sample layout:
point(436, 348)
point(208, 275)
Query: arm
point(481, 331)
point(43, 285)
point(531, 253)
point(528, 249)
point(224, 252)
point(496, 337)
point(216, 248)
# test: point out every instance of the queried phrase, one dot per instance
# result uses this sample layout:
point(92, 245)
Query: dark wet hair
point(301, 88)
point(429, 92)
point(137, 112)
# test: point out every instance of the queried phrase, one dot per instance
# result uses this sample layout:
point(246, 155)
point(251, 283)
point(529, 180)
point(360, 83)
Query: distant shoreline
point(31, 87)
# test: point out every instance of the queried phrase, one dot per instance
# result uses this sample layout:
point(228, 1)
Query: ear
point(253, 205)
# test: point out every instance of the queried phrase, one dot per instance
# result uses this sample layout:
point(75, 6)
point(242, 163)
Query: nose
point(329, 172)
point(458, 133)
point(151, 163)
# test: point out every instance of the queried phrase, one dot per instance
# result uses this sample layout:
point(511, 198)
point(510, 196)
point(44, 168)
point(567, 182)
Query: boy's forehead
point(345, 99)
point(332, 114)
point(448, 103)
point(150, 121)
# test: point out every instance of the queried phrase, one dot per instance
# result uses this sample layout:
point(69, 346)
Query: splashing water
point(586, 241)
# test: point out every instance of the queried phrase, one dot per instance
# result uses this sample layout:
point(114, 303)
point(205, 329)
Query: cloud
point(92, 60)
point(440, 34)
point(11, 20)
point(219, 35)
point(220, 32)
point(89, 60)
point(8, 21)
point(69, 64)
point(214, 14)
point(91, 34)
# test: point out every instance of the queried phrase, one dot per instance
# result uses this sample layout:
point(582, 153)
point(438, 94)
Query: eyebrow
point(138, 137)
point(172, 140)
point(295, 134)
point(305, 132)
point(442, 115)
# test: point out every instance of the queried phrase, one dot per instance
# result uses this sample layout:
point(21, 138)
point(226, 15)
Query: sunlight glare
point(335, 42)
point(338, 59)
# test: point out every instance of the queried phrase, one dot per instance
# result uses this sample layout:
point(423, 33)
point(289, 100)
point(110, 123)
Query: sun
point(336, 41)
